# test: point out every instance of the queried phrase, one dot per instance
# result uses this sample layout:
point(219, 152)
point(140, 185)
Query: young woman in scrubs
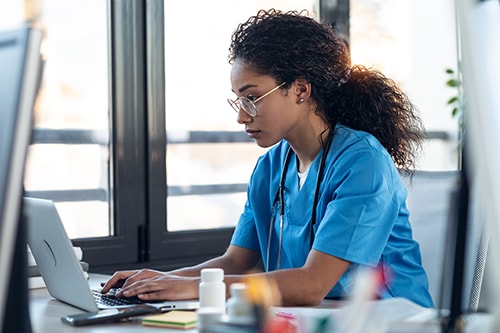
point(326, 199)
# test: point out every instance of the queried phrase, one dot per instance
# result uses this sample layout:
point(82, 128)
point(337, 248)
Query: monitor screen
point(20, 68)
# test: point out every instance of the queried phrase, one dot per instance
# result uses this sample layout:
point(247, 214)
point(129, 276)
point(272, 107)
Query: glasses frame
point(239, 103)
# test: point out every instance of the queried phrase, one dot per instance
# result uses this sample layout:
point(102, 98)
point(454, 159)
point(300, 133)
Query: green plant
point(455, 101)
point(457, 104)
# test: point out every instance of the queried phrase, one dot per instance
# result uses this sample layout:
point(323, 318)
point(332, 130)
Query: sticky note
point(173, 319)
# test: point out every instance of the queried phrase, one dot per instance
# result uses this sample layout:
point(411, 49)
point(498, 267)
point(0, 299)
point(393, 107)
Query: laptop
point(62, 272)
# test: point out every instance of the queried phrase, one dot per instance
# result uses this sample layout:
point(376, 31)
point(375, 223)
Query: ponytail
point(370, 102)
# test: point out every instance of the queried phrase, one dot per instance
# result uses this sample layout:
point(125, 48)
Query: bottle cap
point(238, 288)
point(212, 275)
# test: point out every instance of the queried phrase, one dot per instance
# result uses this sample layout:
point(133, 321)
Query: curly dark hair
point(292, 45)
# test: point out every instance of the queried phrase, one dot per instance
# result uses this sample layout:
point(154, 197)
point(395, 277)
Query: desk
point(46, 313)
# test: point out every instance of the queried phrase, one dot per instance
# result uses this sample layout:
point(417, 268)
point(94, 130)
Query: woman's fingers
point(116, 280)
point(164, 287)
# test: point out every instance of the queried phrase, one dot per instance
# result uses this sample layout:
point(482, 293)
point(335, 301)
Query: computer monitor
point(20, 69)
point(479, 23)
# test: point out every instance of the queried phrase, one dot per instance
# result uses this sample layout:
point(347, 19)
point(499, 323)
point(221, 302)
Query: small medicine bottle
point(212, 290)
point(239, 308)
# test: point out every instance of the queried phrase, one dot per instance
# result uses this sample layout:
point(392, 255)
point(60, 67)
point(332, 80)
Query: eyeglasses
point(243, 103)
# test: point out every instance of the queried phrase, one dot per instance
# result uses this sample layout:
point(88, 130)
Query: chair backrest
point(429, 202)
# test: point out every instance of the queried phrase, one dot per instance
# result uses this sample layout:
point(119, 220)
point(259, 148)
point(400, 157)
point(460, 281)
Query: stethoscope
point(280, 197)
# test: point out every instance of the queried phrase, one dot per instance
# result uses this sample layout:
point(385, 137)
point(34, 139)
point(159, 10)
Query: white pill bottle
point(212, 290)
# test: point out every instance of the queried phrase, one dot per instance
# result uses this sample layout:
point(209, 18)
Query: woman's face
point(277, 112)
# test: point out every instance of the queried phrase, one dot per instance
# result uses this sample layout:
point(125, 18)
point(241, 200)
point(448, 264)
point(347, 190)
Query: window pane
point(68, 161)
point(205, 164)
point(413, 42)
point(197, 86)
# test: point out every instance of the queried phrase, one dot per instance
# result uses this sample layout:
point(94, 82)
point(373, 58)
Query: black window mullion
point(156, 125)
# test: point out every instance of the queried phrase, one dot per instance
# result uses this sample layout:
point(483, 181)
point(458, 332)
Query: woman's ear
point(302, 90)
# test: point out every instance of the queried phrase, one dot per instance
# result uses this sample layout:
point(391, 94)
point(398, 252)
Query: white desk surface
point(46, 313)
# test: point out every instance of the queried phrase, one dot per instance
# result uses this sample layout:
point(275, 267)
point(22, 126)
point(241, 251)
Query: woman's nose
point(243, 117)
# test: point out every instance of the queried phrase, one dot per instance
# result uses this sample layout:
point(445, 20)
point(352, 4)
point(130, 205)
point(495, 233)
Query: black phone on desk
point(109, 315)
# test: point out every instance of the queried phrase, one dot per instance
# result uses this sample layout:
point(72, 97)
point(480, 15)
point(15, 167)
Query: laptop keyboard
point(110, 299)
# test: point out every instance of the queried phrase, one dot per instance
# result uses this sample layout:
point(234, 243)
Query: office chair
point(429, 203)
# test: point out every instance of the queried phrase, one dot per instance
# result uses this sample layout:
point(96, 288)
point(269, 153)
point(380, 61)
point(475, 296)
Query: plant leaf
point(452, 100)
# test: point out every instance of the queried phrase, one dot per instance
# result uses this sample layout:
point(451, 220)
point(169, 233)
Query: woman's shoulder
point(358, 150)
point(348, 141)
point(355, 136)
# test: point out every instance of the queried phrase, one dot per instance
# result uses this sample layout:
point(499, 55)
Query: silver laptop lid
point(54, 255)
point(56, 260)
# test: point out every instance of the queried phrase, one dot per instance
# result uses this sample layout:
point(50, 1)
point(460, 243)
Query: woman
point(326, 198)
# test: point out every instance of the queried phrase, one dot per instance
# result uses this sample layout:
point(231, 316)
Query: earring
point(301, 100)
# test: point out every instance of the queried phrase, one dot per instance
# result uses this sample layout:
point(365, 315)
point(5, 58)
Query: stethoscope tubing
point(280, 195)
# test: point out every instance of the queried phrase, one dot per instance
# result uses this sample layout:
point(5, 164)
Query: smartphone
point(109, 315)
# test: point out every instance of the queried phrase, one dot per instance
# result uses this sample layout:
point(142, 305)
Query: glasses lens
point(244, 104)
point(248, 106)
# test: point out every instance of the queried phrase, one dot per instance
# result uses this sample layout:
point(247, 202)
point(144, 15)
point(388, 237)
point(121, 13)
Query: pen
point(285, 315)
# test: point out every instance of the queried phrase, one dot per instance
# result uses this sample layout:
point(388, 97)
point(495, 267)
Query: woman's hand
point(148, 284)
point(160, 287)
point(123, 278)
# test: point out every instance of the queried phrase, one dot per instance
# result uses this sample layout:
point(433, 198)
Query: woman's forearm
point(236, 260)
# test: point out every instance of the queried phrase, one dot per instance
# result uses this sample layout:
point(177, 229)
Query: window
point(68, 160)
point(78, 113)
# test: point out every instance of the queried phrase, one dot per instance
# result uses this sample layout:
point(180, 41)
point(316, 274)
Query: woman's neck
point(308, 144)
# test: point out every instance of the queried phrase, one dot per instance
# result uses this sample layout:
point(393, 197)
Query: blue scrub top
point(361, 215)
